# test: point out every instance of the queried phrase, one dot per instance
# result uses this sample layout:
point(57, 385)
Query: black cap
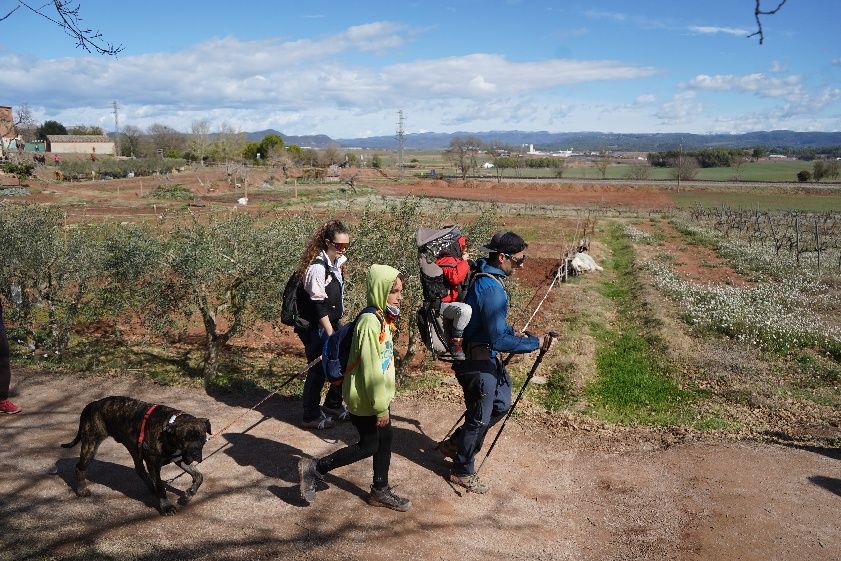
point(505, 242)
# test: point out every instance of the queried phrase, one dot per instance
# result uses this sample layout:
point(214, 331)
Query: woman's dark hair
point(318, 241)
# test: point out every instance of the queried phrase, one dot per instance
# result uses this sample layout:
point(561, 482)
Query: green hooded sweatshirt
point(369, 386)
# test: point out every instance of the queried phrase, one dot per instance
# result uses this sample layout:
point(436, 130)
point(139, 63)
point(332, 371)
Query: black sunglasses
point(517, 262)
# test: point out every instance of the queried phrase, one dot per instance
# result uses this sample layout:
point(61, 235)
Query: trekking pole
point(453, 428)
point(538, 360)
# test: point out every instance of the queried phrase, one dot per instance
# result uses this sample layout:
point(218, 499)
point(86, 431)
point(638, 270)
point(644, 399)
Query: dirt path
point(578, 496)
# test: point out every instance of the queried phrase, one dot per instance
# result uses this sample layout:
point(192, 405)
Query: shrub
point(22, 171)
point(174, 191)
point(52, 267)
point(112, 167)
point(804, 176)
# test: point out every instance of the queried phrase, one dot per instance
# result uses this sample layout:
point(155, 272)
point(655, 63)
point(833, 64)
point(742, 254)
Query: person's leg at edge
point(6, 405)
point(314, 381)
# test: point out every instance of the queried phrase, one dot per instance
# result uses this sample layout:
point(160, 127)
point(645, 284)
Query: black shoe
point(387, 498)
point(309, 475)
point(319, 423)
point(339, 414)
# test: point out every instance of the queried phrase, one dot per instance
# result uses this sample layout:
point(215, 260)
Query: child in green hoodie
point(368, 389)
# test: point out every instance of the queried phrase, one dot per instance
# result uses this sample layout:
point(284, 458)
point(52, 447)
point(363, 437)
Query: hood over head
point(379, 281)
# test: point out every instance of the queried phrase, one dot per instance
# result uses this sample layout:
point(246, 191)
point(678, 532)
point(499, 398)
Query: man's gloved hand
point(548, 339)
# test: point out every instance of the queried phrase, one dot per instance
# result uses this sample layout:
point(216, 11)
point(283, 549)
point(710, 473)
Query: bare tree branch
point(760, 12)
point(13, 10)
point(67, 17)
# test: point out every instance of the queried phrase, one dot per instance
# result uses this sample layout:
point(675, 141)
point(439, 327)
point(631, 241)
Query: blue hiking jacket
point(488, 324)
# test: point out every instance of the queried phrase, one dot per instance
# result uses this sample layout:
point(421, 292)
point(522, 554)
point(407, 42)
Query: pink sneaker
point(6, 406)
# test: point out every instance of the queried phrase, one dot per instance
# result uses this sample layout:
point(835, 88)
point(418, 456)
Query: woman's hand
point(382, 422)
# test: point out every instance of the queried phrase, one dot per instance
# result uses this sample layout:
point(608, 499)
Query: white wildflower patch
point(639, 236)
point(775, 316)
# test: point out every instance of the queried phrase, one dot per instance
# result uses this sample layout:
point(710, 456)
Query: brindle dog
point(169, 436)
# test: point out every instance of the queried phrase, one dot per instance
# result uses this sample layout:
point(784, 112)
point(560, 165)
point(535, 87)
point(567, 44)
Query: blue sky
point(345, 68)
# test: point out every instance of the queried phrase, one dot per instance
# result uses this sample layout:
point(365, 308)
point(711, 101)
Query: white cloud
point(304, 86)
point(683, 108)
point(712, 30)
point(777, 66)
point(810, 104)
point(274, 82)
point(644, 99)
point(788, 87)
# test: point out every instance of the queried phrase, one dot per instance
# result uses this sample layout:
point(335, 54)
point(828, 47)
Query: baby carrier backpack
point(434, 331)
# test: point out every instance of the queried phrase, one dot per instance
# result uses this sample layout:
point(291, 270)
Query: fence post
point(797, 238)
point(818, 244)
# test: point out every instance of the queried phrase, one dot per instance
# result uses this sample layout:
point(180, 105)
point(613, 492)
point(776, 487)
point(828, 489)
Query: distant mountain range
point(543, 140)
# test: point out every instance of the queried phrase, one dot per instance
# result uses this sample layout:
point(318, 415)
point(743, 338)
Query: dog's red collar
point(142, 435)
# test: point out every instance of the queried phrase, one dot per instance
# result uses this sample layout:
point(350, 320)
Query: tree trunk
point(210, 363)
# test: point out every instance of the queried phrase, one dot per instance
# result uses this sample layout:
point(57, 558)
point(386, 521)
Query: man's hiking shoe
point(320, 423)
point(470, 482)
point(9, 408)
point(448, 448)
point(339, 414)
point(309, 475)
point(387, 498)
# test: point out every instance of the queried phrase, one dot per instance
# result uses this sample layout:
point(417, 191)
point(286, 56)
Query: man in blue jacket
point(483, 377)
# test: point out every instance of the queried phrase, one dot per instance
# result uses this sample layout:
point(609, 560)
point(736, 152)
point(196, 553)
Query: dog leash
point(280, 387)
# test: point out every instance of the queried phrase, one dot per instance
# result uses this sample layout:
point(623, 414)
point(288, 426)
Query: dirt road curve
point(578, 496)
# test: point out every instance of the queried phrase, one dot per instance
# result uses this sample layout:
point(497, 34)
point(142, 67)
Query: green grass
point(581, 169)
point(559, 388)
point(634, 383)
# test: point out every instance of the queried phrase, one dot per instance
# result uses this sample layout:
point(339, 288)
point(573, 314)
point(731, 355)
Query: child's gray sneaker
point(387, 498)
point(308, 477)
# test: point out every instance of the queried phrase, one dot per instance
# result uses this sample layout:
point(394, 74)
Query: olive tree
point(229, 270)
point(49, 271)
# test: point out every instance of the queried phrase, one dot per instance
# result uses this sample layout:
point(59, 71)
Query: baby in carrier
point(453, 261)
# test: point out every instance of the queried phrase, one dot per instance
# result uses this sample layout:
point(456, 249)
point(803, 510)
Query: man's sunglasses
point(517, 262)
point(338, 245)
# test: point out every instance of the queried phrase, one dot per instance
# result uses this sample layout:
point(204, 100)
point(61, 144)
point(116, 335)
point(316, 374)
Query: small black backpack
point(290, 309)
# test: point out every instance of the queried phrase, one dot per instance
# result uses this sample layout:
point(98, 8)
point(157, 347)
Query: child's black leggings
point(373, 441)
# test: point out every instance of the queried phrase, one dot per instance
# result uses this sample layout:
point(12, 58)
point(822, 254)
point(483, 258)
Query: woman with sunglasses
point(321, 302)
